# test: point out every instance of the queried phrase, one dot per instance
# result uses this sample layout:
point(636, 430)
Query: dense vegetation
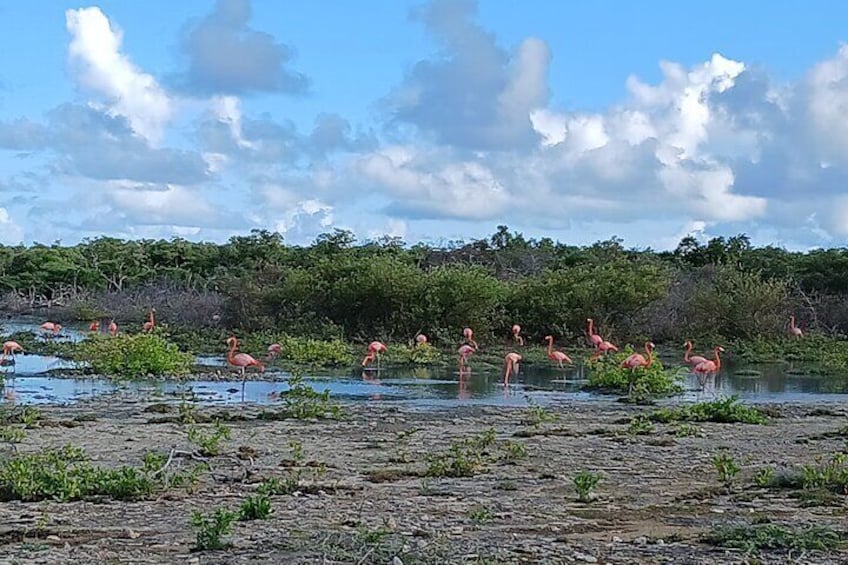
point(336, 288)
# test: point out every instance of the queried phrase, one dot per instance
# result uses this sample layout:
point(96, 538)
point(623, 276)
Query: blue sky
point(426, 120)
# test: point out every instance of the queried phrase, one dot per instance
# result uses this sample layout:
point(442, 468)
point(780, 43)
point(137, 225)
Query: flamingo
point(374, 350)
point(593, 337)
point(794, 330)
point(709, 366)
point(511, 360)
point(516, 329)
point(94, 327)
point(49, 327)
point(638, 360)
point(603, 347)
point(10, 348)
point(468, 333)
point(241, 360)
point(113, 328)
point(557, 356)
point(420, 339)
point(150, 323)
point(274, 349)
point(464, 351)
point(694, 359)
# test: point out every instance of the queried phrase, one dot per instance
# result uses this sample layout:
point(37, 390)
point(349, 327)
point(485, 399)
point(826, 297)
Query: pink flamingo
point(557, 356)
point(420, 339)
point(637, 360)
point(374, 350)
point(516, 329)
point(94, 327)
point(694, 359)
point(10, 348)
point(794, 330)
point(150, 323)
point(51, 327)
point(511, 360)
point(709, 366)
point(603, 348)
point(241, 360)
point(468, 333)
point(593, 337)
point(273, 350)
point(113, 328)
point(464, 351)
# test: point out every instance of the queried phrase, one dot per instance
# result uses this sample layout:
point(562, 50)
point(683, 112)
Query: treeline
point(725, 289)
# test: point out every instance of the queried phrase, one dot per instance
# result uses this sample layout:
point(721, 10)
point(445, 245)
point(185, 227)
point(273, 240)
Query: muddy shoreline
point(369, 503)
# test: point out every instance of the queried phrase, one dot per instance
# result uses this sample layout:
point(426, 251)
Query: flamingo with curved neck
point(241, 360)
point(794, 330)
point(708, 367)
point(468, 334)
point(150, 323)
point(593, 337)
point(516, 329)
point(512, 360)
point(694, 359)
point(557, 356)
point(374, 350)
point(637, 360)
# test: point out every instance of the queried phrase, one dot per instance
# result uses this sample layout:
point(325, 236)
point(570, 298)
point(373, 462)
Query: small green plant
point(464, 458)
point(255, 508)
point(726, 467)
point(687, 430)
point(302, 402)
point(537, 415)
point(275, 486)
point(187, 412)
point(12, 434)
point(133, 356)
point(640, 425)
point(297, 451)
point(585, 483)
point(480, 514)
point(513, 450)
point(209, 445)
point(764, 477)
point(209, 530)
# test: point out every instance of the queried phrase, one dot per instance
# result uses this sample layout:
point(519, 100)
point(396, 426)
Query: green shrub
point(584, 483)
point(607, 374)
point(255, 508)
point(725, 410)
point(209, 530)
point(133, 356)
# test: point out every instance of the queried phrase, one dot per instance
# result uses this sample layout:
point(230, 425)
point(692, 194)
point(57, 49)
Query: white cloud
point(10, 232)
point(95, 52)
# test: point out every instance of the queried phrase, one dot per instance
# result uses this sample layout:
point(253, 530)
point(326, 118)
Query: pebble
point(585, 557)
point(396, 560)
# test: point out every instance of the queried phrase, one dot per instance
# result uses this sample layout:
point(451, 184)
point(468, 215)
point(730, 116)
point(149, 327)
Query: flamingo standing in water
point(468, 334)
point(516, 329)
point(512, 360)
point(709, 367)
point(557, 356)
point(694, 359)
point(150, 323)
point(49, 327)
point(10, 348)
point(241, 360)
point(637, 360)
point(374, 350)
point(603, 348)
point(794, 330)
point(464, 351)
point(593, 337)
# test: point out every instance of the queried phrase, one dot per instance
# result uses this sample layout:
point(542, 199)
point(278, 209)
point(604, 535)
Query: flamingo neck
point(792, 322)
point(688, 349)
point(717, 359)
point(550, 345)
point(232, 350)
point(650, 351)
point(591, 327)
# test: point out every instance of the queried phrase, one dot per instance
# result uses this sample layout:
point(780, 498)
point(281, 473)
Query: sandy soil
point(658, 494)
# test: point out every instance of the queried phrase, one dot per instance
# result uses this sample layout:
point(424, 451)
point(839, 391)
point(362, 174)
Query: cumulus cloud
point(226, 56)
point(95, 54)
point(10, 232)
point(476, 95)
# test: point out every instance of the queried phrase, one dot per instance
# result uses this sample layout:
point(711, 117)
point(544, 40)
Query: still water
point(423, 387)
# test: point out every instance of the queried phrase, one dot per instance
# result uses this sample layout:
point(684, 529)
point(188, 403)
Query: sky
point(426, 120)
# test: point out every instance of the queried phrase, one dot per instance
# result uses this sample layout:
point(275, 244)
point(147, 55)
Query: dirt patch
point(364, 494)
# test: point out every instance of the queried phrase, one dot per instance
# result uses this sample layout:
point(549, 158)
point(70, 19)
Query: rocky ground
point(364, 495)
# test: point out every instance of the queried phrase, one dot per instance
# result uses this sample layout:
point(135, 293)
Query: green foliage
point(607, 374)
point(133, 356)
point(464, 458)
point(640, 425)
point(752, 539)
point(209, 530)
point(585, 483)
point(302, 402)
point(725, 410)
point(255, 508)
point(830, 475)
point(825, 353)
point(209, 445)
point(66, 474)
point(726, 467)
